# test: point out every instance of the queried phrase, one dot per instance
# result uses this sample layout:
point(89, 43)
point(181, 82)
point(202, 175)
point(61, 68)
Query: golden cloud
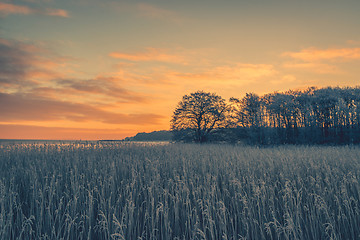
point(151, 54)
point(316, 67)
point(103, 87)
point(27, 107)
point(239, 73)
point(8, 8)
point(56, 12)
point(23, 64)
point(29, 69)
point(314, 54)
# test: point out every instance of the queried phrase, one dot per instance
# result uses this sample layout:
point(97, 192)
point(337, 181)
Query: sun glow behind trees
point(200, 113)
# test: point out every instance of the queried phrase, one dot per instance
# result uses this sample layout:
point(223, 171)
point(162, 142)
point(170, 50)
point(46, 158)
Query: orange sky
point(108, 69)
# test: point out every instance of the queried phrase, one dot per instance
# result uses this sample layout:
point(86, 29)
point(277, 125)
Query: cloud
point(30, 69)
point(353, 42)
point(55, 12)
point(238, 74)
point(8, 8)
point(246, 71)
point(198, 75)
point(25, 107)
point(103, 86)
point(14, 61)
point(314, 54)
point(321, 61)
point(24, 64)
point(151, 54)
point(316, 67)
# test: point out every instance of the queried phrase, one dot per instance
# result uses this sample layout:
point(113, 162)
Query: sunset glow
point(108, 69)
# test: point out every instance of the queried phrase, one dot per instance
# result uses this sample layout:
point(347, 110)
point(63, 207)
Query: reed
point(90, 190)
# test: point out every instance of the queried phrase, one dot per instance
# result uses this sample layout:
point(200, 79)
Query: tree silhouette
point(246, 113)
point(310, 116)
point(247, 110)
point(198, 116)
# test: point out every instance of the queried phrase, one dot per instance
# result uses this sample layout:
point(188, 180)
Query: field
point(93, 190)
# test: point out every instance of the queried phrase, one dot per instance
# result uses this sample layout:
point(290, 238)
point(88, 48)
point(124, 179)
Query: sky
point(107, 69)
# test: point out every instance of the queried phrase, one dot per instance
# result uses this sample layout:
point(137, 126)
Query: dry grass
point(178, 191)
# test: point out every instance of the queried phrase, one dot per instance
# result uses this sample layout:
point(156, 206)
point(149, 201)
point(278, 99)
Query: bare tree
point(198, 116)
point(247, 110)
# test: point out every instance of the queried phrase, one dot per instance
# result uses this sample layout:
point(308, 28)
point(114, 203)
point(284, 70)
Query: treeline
point(326, 115)
point(162, 135)
point(312, 116)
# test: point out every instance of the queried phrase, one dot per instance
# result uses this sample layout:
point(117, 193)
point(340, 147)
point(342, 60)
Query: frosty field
point(94, 190)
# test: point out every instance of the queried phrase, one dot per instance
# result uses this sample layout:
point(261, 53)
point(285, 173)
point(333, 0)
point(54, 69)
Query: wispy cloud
point(150, 54)
point(194, 66)
point(55, 12)
point(321, 61)
point(29, 70)
point(8, 8)
point(23, 64)
point(353, 42)
point(314, 54)
point(26, 107)
point(15, 61)
point(321, 68)
point(246, 71)
point(108, 87)
point(236, 74)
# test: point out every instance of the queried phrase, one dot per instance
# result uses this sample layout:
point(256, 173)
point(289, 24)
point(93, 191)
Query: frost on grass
point(178, 191)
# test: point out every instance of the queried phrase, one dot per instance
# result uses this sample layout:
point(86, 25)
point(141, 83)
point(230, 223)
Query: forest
point(311, 116)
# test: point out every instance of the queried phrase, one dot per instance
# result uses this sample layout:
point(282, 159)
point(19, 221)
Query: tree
point(246, 114)
point(198, 116)
point(247, 110)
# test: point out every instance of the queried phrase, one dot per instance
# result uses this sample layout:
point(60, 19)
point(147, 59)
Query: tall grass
point(178, 191)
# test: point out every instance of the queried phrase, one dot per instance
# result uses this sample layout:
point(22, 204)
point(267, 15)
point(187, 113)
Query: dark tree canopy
point(311, 116)
point(198, 116)
point(325, 115)
point(246, 111)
